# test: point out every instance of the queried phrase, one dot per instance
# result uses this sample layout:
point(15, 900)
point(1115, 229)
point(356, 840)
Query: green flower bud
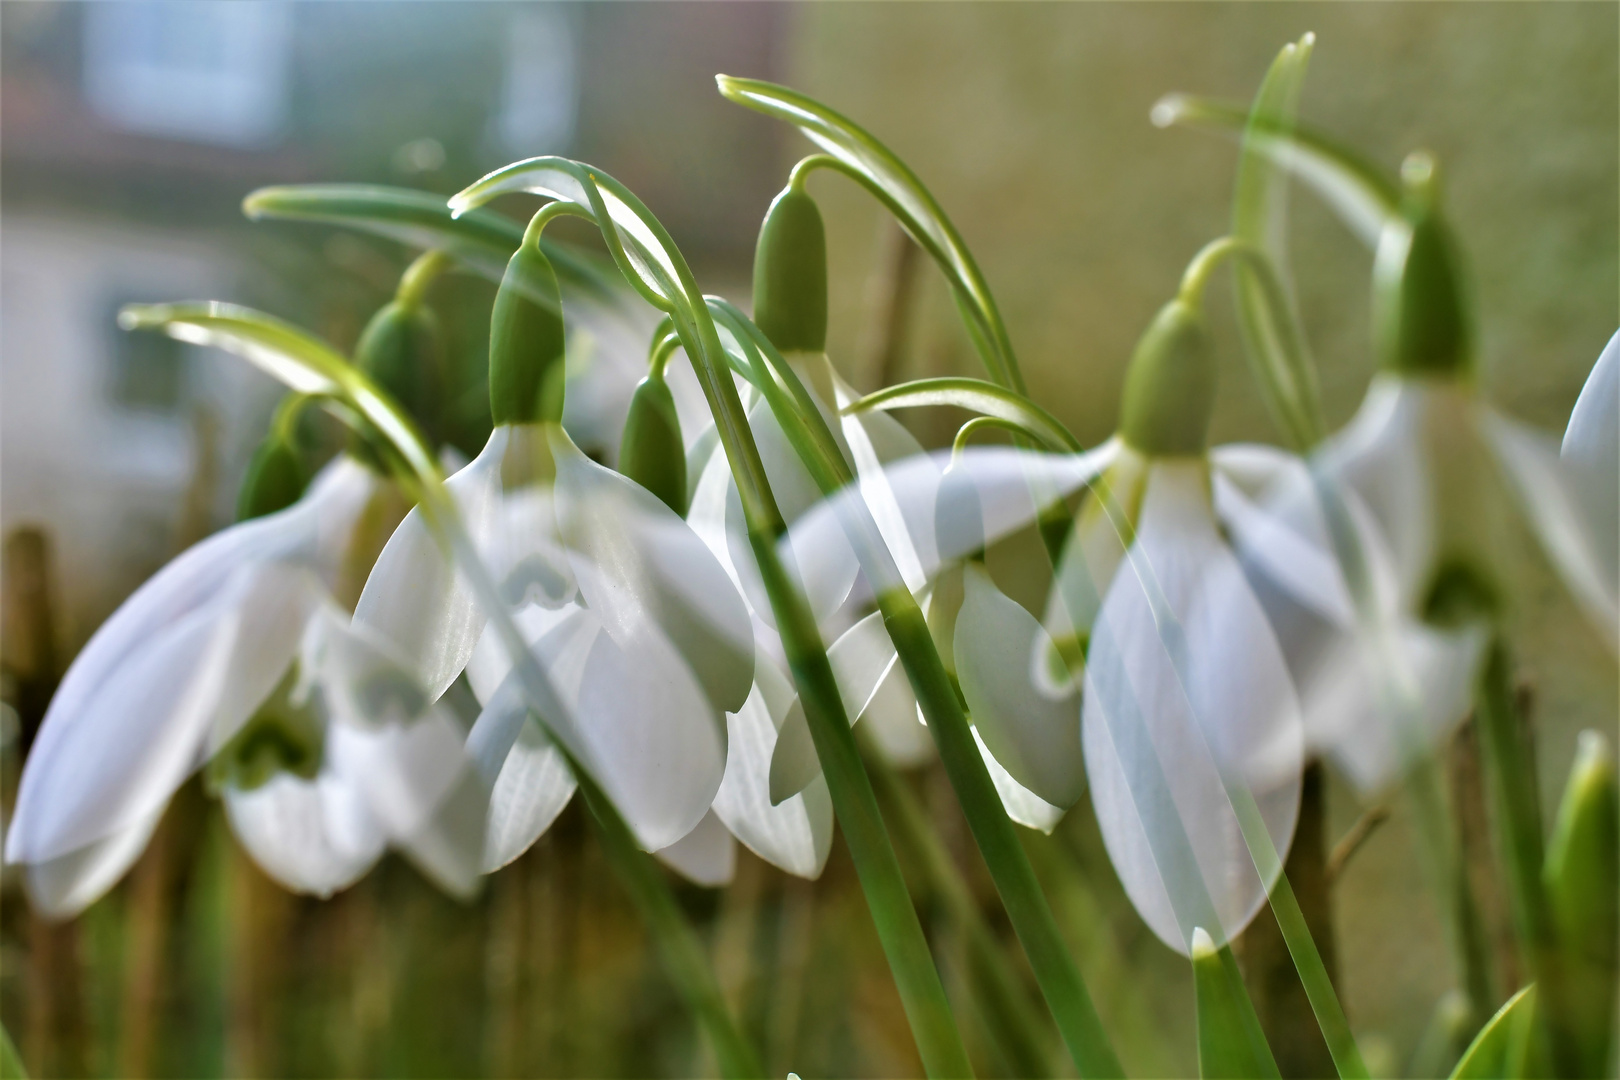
point(525, 341)
point(402, 351)
point(790, 275)
point(275, 479)
point(1583, 889)
point(1420, 316)
point(1169, 386)
point(652, 453)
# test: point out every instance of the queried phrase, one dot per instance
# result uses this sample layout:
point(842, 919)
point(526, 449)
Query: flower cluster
point(388, 658)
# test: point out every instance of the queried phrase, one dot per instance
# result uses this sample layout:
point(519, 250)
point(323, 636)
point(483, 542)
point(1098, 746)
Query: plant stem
point(1513, 790)
point(684, 958)
point(1009, 1014)
point(851, 789)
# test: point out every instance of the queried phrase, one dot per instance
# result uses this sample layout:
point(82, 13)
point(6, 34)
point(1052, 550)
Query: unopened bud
point(652, 453)
point(275, 479)
point(790, 275)
point(525, 341)
point(1169, 386)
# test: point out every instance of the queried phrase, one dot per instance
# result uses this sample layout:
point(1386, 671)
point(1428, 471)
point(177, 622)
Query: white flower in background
point(1156, 657)
point(177, 674)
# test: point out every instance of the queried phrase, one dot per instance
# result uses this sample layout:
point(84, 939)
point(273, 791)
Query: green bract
point(401, 350)
point(790, 274)
point(652, 453)
point(525, 341)
point(1170, 386)
point(275, 478)
point(1420, 319)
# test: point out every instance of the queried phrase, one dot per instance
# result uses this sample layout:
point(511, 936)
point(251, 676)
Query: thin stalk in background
point(654, 266)
point(1510, 768)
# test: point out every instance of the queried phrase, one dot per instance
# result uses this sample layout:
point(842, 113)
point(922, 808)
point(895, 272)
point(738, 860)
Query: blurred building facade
point(131, 133)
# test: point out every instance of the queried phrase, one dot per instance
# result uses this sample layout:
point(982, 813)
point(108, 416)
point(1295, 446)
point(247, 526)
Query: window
point(213, 73)
point(539, 95)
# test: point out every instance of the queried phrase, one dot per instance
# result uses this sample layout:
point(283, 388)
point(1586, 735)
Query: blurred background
point(131, 132)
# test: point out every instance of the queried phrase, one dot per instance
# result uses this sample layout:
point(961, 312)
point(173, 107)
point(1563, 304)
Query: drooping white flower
point(651, 643)
point(176, 675)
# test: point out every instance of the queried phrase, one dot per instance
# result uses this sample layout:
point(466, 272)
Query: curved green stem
point(649, 259)
point(420, 276)
point(966, 433)
point(1017, 412)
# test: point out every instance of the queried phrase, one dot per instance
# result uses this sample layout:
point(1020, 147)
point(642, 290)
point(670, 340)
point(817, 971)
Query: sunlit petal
point(638, 562)
point(416, 598)
point(1021, 804)
point(1035, 738)
point(1592, 448)
point(1186, 693)
point(64, 885)
point(794, 834)
point(530, 778)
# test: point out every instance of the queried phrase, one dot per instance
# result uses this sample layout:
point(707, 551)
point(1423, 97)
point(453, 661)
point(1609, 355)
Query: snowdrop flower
point(1419, 503)
point(654, 644)
point(183, 672)
point(1156, 676)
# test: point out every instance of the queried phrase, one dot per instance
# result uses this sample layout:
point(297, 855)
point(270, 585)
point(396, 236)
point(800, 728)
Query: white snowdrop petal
point(1021, 804)
point(705, 856)
point(896, 723)
point(1276, 524)
point(415, 596)
point(132, 742)
point(1377, 700)
point(272, 606)
point(637, 561)
point(490, 663)
point(1186, 693)
point(63, 886)
point(312, 836)
point(1551, 496)
point(532, 788)
point(990, 499)
point(794, 834)
point(449, 848)
point(1035, 738)
point(1592, 448)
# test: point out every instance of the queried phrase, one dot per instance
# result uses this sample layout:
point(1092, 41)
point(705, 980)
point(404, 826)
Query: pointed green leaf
point(1363, 196)
point(1583, 889)
point(873, 165)
point(482, 240)
point(976, 395)
point(1230, 1044)
point(303, 363)
point(1504, 1045)
point(1266, 312)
